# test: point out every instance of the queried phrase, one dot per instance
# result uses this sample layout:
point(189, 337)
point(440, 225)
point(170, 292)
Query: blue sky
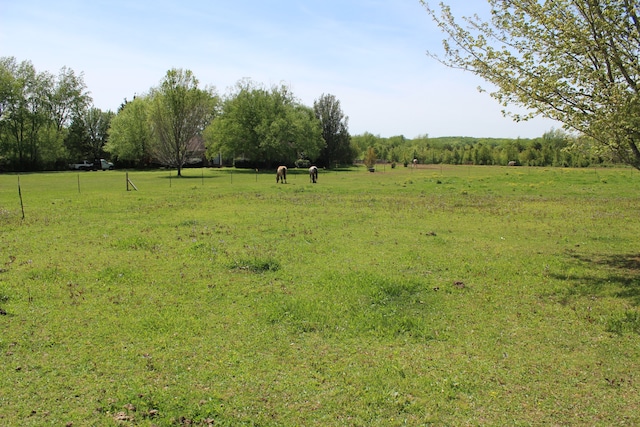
point(370, 54)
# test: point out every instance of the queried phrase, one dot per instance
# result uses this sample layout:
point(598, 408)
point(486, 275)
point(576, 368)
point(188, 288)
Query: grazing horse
point(281, 175)
point(313, 174)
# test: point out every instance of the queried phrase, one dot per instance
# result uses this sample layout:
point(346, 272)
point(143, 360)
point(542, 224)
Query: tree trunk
point(636, 154)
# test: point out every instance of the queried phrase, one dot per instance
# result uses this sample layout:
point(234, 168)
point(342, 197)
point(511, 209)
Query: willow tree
point(179, 111)
point(574, 61)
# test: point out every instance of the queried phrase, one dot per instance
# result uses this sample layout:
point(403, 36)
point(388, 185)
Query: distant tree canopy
point(130, 136)
point(179, 111)
point(165, 126)
point(264, 126)
point(36, 111)
point(574, 61)
point(554, 148)
point(97, 124)
point(335, 132)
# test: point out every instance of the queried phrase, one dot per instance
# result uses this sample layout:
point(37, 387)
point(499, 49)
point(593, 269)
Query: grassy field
point(431, 296)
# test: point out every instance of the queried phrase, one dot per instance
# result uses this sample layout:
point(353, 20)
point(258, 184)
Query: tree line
point(555, 148)
point(46, 119)
point(49, 121)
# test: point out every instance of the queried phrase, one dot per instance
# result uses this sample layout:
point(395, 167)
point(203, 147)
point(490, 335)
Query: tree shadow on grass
point(617, 275)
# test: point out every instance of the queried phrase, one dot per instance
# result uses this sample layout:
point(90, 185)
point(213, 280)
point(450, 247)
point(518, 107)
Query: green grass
point(431, 296)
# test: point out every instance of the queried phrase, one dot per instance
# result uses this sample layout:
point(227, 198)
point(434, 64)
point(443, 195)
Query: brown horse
point(313, 174)
point(281, 175)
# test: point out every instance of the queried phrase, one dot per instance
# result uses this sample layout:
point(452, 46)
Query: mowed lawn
point(427, 296)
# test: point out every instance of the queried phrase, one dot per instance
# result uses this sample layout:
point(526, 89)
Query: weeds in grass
point(255, 264)
point(628, 322)
point(4, 295)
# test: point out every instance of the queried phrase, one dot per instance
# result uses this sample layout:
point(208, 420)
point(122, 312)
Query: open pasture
point(427, 296)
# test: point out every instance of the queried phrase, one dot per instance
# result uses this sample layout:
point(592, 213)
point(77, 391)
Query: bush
point(303, 163)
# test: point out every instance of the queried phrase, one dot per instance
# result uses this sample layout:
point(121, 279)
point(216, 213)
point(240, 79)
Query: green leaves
point(335, 131)
point(269, 125)
point(35, 109)
point(179, 112)
point(130, 133)
point(574, 61)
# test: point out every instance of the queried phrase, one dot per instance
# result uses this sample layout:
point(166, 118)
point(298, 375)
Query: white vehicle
point(84, 166)
point(105, 166)
point(99, 164)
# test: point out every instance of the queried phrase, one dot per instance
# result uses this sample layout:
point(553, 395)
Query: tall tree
point(335, 131)
point(7, 71)
point(574, 61)
point(24, 112)
point(36, 110)
point(75, 141)
point(130, 133)
point(68, 98)
point(267, 125)
point(88, 134)
point(179, 112)
point(97, 124)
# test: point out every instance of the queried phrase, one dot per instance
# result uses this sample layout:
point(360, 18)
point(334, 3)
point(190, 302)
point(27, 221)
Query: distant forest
point(554, 148)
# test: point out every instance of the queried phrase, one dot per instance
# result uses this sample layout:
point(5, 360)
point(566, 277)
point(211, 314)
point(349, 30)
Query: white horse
point(281, 174)
point(313, 174)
